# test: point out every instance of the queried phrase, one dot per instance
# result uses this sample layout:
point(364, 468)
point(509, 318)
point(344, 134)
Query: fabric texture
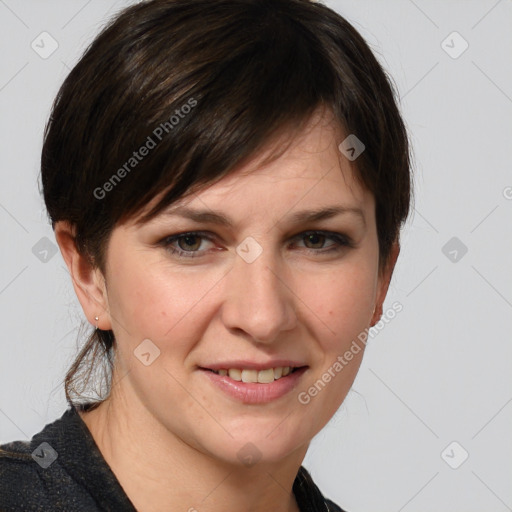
point(61, 469)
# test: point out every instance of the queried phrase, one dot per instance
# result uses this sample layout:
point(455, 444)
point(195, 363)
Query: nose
point(259, 299)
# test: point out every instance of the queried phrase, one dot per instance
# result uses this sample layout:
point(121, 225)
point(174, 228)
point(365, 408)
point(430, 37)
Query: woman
point(226, 180)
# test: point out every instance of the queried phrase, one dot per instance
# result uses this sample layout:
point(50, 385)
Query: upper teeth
point(262, 376)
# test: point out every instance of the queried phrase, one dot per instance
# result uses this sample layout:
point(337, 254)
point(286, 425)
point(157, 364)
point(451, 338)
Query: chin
point(267, 441)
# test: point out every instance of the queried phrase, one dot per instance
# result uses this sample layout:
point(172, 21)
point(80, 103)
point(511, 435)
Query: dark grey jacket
point(62, 470)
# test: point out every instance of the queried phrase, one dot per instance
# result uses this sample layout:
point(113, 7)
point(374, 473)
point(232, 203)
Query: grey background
point(438, 372)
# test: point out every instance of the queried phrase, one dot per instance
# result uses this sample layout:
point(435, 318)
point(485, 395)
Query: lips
point(255, 386)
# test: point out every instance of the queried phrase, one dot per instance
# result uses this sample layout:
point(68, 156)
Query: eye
point(189, 242)
point(186, 245)
point(192, 244)
point(314, 241)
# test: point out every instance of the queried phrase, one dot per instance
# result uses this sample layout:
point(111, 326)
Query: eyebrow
point(302, 216)
point(328, 212)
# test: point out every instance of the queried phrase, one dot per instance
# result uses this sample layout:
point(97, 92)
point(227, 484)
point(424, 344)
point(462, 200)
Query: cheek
point(343, 302)
point(340, 304)
point(152, 300)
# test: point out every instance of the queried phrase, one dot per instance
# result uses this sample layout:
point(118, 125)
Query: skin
point(169, 435)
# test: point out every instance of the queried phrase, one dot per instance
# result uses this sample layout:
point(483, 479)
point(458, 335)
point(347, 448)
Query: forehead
point(311, 169)
point(296, 170)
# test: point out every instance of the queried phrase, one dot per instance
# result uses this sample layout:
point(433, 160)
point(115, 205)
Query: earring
point(96, 318)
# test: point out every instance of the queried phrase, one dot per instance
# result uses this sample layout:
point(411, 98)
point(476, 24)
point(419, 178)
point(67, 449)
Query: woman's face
point(263, 279)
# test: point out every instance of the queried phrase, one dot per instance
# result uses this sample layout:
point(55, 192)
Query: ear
point(88, 281)
point(384, 280)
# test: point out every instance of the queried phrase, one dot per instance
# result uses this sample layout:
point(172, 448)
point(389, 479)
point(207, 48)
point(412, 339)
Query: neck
point(159, 471)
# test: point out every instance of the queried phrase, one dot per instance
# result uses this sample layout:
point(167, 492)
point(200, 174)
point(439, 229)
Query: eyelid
point(328, 234)
point(181, 234)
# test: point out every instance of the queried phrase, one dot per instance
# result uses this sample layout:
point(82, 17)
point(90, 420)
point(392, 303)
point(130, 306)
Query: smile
point(261, 376)
point(251, 386)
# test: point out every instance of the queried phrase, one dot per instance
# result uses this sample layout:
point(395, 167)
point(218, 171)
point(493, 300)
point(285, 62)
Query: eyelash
point(341, 242)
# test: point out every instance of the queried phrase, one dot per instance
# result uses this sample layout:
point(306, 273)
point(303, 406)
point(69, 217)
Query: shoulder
point(21, 486)
point(308, 495)
point(35, 474)
point(332, 507)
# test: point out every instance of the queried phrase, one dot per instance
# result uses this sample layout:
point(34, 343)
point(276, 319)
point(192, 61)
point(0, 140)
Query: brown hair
point(204, 85)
